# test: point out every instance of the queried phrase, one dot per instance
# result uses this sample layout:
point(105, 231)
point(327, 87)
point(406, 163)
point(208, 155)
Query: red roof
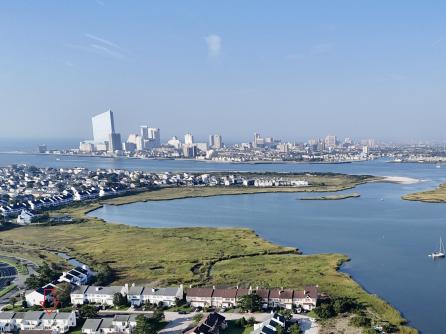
point(243, 292)
point(286, 294)
point(264, 293)
point(200, 292)
point(225, 293)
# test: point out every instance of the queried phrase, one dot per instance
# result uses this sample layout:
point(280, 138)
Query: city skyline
point(205, 69)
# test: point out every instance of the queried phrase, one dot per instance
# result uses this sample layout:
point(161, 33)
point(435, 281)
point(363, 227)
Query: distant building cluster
point(147, 144)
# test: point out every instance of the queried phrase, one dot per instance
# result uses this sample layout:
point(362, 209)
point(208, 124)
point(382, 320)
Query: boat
point(440, 252)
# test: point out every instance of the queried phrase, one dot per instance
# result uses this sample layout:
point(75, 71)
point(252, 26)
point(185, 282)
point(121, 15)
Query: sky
point(287, 69)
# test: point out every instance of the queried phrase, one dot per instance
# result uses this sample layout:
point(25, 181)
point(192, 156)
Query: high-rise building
point(144, 131)
point(330, 141)
point(188, 139)
point(42, 148)
point(174, 142)
point(215, 141)
point(155, 136)
point(103, 126)
point(114, 142)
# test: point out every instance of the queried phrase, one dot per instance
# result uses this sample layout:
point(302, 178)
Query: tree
point(105, 275)
point(294, 328)
point(287, 314)
point(63, 294)
point(144, 325)
point(13, 300)
point(325, 311)
point(88, 311)
point(45, 274)
point(158, 315)
point(119, 299)
point(279, 329)
point(250, 303)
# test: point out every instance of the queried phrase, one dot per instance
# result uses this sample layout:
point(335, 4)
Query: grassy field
point(197, 256)
point(330, 197)
point(437, 195)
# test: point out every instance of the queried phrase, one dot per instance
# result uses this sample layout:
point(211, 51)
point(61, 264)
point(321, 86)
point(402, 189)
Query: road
point(179, 322)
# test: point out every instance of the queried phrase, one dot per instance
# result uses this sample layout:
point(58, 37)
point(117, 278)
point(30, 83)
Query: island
point(330, 197)
point(437, 195)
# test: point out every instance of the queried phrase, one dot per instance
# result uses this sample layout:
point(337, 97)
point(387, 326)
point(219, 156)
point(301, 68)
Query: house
point(7, 322)
point(77, 276)
point(135, 295)
point(212, 324)
point(120, 323)
point(286, 298)
point(199, 297)
point(269, 326)
point(307, 298)
point(95, 294)
point(264, 294)
point(91, 326)
point(224, 298)
point(26, 217)
point(59, 322)
point(78, 295)
point(31, 320)
point(163, 296)
point(274, 298)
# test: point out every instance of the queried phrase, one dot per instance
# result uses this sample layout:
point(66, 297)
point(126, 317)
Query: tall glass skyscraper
point(103, 126)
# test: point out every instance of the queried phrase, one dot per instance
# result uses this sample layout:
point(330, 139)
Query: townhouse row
point(136, 295)
point(56, 322)
point(271, 298)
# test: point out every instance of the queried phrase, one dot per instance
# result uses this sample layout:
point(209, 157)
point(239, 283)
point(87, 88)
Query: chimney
point(190, 286)
point(126, 288)
point(133, 284)
point(213, 287)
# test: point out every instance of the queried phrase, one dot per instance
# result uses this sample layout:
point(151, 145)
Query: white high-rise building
point(174, 142)
point(103, 126)
point(215, 141)
point(155, 136)
point(188, 139)
point(144, 131)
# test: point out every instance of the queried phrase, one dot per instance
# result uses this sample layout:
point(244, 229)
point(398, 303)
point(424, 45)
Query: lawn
point(233, 328)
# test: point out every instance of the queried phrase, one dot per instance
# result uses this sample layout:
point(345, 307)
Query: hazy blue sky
point(290, 69)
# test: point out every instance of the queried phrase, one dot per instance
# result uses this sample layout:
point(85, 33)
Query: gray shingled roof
point(92, 324)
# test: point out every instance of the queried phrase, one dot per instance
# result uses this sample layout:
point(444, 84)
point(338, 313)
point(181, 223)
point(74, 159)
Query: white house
point(7, 322)
point(164, 296)
point(95, 294)
point(25, 217)
point(77, 276)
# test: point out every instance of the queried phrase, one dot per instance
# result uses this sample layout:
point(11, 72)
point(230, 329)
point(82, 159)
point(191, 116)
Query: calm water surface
point(387, 239)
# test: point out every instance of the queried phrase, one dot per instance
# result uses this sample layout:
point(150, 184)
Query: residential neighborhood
point(26, 191)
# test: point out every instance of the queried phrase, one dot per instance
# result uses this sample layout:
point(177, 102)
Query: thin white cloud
point(213, 43)
point(107, 51)
point(102, 40)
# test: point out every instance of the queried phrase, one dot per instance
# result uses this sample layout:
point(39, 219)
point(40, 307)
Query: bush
point(325, 311)
point(360, 321)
